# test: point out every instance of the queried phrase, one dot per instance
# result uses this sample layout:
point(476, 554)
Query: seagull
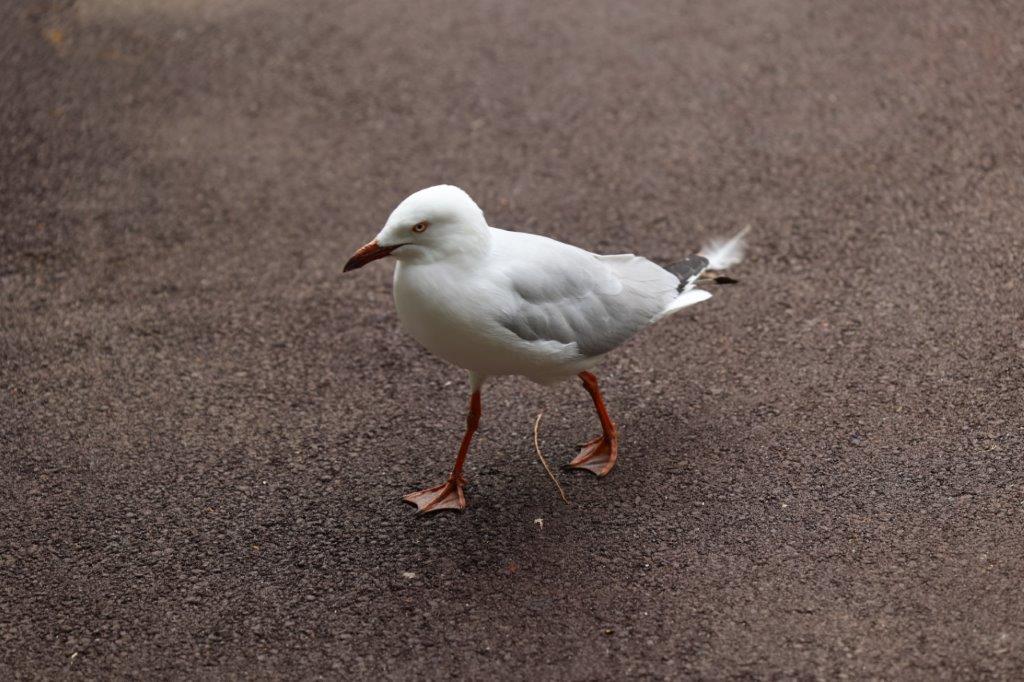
point(498, 302)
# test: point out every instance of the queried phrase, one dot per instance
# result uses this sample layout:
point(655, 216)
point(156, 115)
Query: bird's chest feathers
point(439, 306)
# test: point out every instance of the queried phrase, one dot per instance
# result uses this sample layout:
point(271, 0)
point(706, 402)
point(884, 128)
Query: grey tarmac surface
point(206, 430)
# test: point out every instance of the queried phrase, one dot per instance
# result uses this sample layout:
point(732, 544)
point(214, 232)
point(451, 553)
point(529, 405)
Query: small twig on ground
point(540, 456)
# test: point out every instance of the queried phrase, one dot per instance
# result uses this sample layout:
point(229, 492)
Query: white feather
point(725, 254)
point(684, 300)
point(498, 302)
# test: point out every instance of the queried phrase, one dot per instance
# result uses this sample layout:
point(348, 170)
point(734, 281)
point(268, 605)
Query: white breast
point(451, 313)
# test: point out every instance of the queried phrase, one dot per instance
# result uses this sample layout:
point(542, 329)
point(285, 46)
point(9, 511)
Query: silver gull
point(497, 302)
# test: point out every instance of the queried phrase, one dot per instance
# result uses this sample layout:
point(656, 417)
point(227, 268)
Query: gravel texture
point(206, 430)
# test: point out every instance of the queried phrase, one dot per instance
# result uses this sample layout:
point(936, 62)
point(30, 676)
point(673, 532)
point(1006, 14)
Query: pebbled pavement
point(205, 429)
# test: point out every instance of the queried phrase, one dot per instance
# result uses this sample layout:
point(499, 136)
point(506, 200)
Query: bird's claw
point(448, 495)
point(597, 456)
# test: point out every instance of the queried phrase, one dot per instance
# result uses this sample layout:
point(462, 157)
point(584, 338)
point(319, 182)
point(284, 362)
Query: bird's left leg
point(449, 494)
point(598, 456)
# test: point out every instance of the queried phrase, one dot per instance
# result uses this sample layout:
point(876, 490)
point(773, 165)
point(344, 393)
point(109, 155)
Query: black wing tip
point(688, 269)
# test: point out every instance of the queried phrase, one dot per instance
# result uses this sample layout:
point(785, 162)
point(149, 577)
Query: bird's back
point(563, 293)
point(532, 305)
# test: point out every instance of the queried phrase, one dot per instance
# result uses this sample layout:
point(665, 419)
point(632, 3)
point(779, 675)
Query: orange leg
point(449, 494)
point(598, 456)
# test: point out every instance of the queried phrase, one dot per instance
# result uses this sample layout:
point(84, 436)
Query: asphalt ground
point(206, 429)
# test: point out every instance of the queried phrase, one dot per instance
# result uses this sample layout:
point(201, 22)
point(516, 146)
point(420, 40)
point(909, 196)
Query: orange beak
point(369, 252)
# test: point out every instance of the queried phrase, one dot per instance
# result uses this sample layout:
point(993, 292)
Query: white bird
point(496, 302)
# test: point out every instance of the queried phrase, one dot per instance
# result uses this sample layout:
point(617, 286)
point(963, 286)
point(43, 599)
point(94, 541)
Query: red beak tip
point(367, 254)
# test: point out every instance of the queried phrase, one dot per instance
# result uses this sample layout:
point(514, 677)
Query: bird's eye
point(420, 227)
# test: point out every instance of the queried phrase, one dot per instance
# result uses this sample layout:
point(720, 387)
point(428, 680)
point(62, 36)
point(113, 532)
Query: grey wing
point(594, 302)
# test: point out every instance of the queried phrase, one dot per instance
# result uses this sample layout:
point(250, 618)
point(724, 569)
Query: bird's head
point(432, 224)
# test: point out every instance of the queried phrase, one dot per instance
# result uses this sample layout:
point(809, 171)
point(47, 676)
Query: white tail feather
point(684, 300)
point(724, 254)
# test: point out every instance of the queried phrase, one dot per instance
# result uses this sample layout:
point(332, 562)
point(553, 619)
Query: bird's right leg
point(449, 494)
point(598, 456)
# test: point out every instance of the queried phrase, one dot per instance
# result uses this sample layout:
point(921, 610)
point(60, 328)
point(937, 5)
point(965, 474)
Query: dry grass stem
point(540, 456)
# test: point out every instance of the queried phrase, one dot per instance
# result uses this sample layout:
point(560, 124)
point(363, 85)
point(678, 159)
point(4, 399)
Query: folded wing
point(560, 293)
